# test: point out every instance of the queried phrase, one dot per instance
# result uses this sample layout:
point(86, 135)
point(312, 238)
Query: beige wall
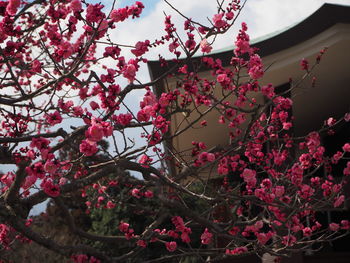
point(312, 105)
point(331, 95)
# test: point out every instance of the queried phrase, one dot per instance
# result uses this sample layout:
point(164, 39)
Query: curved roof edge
point(323, 18)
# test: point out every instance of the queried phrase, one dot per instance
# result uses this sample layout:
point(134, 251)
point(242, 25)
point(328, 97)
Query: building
point(328, 27)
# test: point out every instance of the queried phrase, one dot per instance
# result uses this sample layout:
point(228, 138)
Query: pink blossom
point(221, 78)
point(211, 157)
point(63, 181)
point(206, 237)
point(143, 115)
point(31, 154)
point(148, 100)
point(120, 14)
point(53, 118)
point(29, 181)
point(242, 42)
point(263, 238)
point(279, 157)
point(78, 111)
point(129, 72)
point(255, 67)
point(50, 167)
point(234, 231)
point(76, 5)
point(161, 124)
point(50, 188)
point(88, 148)
point(242, 47)
point(124, 119)
point(258, 225)
point(94, 13)
point(268, 91)
point(279, 191)
point(334, 227)
point(297, 174)
point(107, 128)
point(307, 231)
point(36, 66)
point(206, 157)
point(5, 239)
point(218, 22)
point(337, 156)
point(266, 183)
point(183, 69)
point(65, 50)
point(304, 64)
point(171, 246)
point(95, 133)
point(306, 191)
point(136, 9)
point(185, 235)
point(65, 106)
point(346, 147)
point(12, 7)
point(223, 168)
point(305, 160)
point(112, 52)
point(289, 240)
point(163, 100)
point(313, 142)
point(36, 170)
point(141, 243)
point(287, 125)
point(124, 227)
point(178, 222)
point(173, 234)
point(135, 193)
point(236, 251)
point(100, 199)
point(80, 258)
point(331, 121)
point(249, 176)
point(345, 224)
point(94, 105)
point(229, 15)
point(7, 178)
point(339, 201)
point(145, 160)
point(140, 48)
point(347, 117)
point(205, 46)
point(190, 43)
point(173, 45)
point(110, 205)
point(346, 170)
point(148, 194)
point(103, 26)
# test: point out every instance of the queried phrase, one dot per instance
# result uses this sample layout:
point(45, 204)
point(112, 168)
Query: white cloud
point(265, 16)
point(262, 17)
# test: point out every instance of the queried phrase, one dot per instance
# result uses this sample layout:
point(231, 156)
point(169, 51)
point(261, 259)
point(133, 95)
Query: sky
point(262, 16)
